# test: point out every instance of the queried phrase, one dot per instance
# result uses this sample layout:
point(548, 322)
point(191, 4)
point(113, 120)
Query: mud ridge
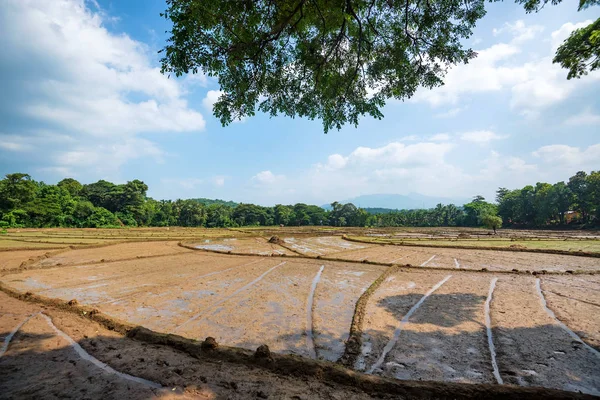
point(388, 264)
point(513, 249)
point(488, 328)
point(310, 341)
point(354, 343)
point(292, 365)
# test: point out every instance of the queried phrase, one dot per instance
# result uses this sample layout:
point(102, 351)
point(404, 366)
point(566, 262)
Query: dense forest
point(25, 202)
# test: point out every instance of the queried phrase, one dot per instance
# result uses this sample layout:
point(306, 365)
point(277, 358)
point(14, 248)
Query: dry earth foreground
point(125, 314)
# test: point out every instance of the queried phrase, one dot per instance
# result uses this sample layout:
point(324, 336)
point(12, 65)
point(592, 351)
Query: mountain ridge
point(410, 201)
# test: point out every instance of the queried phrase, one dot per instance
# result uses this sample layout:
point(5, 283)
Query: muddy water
point(391, 254)
point(114, 252)
point(272, 312)
point(532, 348)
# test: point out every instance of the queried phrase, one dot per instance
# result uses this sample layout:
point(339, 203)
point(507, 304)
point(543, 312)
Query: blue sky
point(83, 97)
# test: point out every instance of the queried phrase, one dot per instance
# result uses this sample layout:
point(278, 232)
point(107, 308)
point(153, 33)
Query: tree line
point(25, 202)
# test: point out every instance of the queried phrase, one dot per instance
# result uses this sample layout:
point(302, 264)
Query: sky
point(82, 96)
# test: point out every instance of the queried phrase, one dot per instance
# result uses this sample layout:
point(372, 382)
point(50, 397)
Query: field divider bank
point(292, 365)
point(32, 263)
point(488, 328)
point(451, 246)
point(354, 342)
point(389, 264)
point(310, 340)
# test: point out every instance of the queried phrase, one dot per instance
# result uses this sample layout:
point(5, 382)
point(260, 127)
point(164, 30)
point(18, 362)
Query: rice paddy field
point(421, 305)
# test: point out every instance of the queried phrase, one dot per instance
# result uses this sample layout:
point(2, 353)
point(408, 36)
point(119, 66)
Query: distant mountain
point(391, 202)
point(208, 202)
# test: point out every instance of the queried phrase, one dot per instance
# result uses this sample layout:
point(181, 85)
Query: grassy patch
point(587, 245)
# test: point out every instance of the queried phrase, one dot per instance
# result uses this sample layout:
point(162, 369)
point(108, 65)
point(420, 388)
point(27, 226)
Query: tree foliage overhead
point(580, 52)
point(333, 60)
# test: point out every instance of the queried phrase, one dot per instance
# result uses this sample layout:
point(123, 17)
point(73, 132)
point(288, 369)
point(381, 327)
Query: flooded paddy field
point(461, 324)
point(254, 245)
point(492, 260)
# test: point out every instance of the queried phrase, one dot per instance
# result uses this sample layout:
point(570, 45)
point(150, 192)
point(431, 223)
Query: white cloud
point(481, 137)
point(519, 30)
point(394, 168)
point(219, 180)
point(267, 178)
point(336, 161)
point(453, 112)
point(483, 74)
point(212, 96)
point(585, 117)
point(14, 145)
point(106, 158)
point(440, 137)
point(569, 157)
point(534, 84)
point(423, 167)
point(99, 88)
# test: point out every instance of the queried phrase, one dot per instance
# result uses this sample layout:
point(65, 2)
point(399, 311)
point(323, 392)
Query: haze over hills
point(400, 201)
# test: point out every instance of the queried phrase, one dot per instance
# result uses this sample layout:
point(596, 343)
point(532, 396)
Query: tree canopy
point(333, 60)
point(25, 202)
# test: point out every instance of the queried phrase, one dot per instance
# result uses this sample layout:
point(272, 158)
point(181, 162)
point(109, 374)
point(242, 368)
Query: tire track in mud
point(310, 340)
point(559, 322)
point(388, 347)
point(488, 328)
point(8, 338)
point(88, 357)
point(204, 313)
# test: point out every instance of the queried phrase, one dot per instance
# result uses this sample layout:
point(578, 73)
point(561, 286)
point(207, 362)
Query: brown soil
point(272, 311)
point(532, 349)
point(13, 259)
point(247, 301)
point(474, 259)
point(322, 246)
point(41, 364)
point(250, 246)
point(335, 298)
point(123, 251)
point(576, 302)
point(445, 339)
point(385, 309)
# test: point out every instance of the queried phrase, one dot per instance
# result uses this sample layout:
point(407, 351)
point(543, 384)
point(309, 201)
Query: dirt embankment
point(67, 345)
